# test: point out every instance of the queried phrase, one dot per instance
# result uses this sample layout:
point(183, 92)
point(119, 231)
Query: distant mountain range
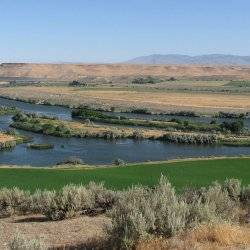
point(212, 59)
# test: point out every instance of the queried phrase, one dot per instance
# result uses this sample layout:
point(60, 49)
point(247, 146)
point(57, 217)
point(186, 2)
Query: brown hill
point(75, 71)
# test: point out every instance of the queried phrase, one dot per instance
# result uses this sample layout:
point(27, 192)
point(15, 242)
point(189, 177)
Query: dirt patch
point(77, 231)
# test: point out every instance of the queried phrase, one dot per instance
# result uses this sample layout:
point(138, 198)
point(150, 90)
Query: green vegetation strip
point(85, 112)
point(40, 146)
point(8, 110)
point(182, 174)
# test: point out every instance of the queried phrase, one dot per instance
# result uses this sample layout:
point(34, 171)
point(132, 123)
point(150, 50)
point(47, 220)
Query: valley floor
point(159, 101)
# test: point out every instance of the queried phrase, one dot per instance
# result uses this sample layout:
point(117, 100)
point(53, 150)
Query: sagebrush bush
point(213, 204)
point(245, 196)
point(21, 243)
point(233, 187)
point(101, 197)
point(170, 212)
point(142, 212)
point(131, 217)
point(67, 203)
point(73, 200)
point(14, 201)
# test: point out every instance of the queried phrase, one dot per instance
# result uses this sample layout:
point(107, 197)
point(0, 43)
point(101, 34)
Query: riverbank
point(182, 174)
point(9, 141)
point(87, 129)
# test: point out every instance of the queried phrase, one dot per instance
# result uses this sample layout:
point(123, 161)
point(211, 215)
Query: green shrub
point(85, 112)
point(21, 117)
point(190, 138)
point(4, 110)
point(40, 146)
point(146, 80)
point(119, 162)
point(71, 161)
point(231, 115)
point(234, 127)
point(78, 84)
point(140, 111)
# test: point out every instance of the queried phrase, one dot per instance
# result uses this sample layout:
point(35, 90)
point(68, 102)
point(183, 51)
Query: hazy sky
point(117, 30)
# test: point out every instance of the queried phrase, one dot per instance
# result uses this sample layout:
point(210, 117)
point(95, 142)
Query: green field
point(181, 174)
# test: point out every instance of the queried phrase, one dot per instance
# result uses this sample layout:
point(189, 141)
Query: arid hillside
point(75, 71)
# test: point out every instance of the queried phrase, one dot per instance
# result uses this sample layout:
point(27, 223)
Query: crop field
point(123, 99)
point(182, 174)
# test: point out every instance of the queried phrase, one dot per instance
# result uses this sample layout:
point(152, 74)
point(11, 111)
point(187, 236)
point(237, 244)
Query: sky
point(116, 30)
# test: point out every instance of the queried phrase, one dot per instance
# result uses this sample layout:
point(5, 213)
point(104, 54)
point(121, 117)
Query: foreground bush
point(21, 243)
point(73, 200)
point(14, 201)
point(143, 212)
point(70, 201)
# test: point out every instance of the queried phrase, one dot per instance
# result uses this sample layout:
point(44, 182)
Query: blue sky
point(113, 30)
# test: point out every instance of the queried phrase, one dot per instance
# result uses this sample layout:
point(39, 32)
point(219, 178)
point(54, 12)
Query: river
point(98, 151)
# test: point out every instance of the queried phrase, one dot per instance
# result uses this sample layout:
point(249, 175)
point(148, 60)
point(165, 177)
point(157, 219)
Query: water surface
point(97, 151)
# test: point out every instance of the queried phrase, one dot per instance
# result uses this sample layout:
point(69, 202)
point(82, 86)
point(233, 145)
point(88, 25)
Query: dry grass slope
point(74, 71)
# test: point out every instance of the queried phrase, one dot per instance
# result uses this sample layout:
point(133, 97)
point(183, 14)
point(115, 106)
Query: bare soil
point(57, 234)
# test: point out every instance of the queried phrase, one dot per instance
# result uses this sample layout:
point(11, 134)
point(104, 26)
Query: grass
point(182, 174)
point(240, 84)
